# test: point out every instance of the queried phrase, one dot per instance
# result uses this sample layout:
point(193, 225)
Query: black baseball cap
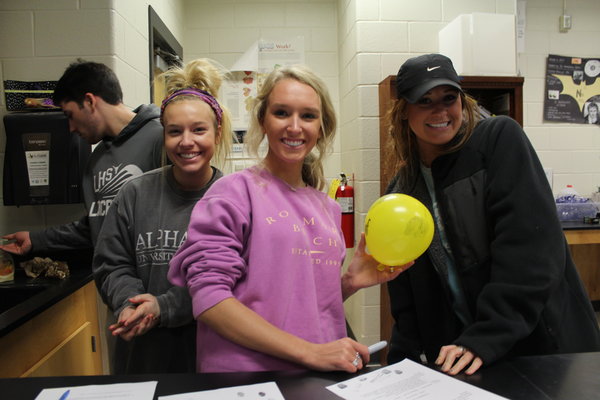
point(420, 74)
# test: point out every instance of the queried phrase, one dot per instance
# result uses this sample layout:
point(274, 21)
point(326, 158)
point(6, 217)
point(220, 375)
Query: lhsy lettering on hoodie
point(107, 184)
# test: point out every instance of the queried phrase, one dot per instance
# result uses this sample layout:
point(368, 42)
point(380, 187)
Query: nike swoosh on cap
point(429, 69)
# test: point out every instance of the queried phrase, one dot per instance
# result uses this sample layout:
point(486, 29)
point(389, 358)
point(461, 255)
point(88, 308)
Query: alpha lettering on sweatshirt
point(158, 246)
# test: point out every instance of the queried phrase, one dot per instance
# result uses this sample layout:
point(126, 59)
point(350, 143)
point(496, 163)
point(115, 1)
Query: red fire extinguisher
point(344, 195)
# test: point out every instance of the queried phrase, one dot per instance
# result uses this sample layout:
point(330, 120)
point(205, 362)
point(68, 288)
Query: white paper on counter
point(408, 380)
point(116, 391)
point(267, 391)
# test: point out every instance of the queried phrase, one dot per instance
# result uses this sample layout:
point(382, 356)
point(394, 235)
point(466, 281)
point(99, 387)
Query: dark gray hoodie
point(114, 161)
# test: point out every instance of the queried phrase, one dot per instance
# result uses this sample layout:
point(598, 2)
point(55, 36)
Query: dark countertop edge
point(55, 291)
point(557, 376)
point(576, 225)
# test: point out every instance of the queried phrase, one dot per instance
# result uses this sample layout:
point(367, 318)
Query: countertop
point(576, 225)
point(40, 293)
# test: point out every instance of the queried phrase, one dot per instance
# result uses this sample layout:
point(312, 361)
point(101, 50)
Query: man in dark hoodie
point(128, 143)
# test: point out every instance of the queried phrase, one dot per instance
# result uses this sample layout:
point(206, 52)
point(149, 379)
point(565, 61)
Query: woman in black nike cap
point(498, 280)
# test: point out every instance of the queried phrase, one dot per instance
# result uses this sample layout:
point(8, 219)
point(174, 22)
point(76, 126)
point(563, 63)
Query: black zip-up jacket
point(513, 263)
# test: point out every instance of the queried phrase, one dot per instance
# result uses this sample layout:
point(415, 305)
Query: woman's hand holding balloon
point(364, 271)
point(398, 229)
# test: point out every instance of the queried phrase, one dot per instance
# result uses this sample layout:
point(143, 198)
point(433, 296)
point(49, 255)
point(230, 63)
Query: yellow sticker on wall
point(335, 184)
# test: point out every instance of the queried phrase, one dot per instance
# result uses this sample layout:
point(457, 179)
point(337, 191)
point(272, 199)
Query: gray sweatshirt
point(144, 227)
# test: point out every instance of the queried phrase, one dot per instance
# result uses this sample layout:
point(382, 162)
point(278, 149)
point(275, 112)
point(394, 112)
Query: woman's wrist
point(348, 288)
point(303, 353)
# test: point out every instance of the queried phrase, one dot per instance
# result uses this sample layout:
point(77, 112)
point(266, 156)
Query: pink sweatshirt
point(277, 250)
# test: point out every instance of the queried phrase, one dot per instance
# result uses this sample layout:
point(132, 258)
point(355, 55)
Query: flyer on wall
point(249, 71)
point(572, 90)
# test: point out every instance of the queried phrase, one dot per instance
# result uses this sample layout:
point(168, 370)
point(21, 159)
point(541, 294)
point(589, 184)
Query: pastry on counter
point(45, 267)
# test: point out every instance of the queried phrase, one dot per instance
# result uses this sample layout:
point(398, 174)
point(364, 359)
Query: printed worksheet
point(408, 380)
point(259, 391)
point(116, 391)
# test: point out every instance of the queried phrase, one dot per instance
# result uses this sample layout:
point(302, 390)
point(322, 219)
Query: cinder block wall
point(40, 38)
point(571, 150)
point(224, 30)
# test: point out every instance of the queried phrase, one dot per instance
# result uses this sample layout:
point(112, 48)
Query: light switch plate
point(564, 23)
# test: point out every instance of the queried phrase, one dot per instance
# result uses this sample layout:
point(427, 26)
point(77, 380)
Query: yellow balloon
point(398, 229)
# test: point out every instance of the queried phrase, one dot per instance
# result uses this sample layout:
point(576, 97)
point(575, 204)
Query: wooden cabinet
point(584, 245)
point(500, 95)
point(62, 340)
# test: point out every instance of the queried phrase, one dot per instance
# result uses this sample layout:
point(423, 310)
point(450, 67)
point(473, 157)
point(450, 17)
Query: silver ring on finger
point(356, 359)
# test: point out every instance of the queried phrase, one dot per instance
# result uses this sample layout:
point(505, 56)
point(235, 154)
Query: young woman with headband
point(147, 223)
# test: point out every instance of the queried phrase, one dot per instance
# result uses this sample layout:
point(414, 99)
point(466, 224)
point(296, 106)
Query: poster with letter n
point(572, 90)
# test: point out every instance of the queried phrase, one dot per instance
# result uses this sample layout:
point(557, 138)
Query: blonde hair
point(406, 147)
point(203, 74)
point(312, 168)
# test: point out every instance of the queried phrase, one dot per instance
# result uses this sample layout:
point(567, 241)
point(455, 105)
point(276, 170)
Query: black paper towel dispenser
point(43, 161)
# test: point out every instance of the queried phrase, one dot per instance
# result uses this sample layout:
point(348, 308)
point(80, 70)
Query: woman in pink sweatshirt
point(264, 251)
